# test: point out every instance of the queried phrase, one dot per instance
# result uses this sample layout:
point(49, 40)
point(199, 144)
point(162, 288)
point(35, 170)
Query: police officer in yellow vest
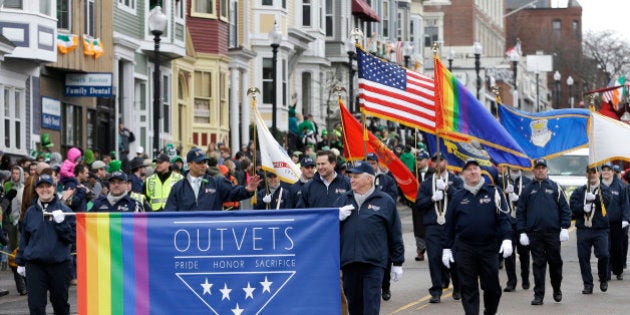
point(158, 186)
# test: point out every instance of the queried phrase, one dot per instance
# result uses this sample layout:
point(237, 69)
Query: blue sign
point(88, 84)
point(243, 262)
point(51, 113)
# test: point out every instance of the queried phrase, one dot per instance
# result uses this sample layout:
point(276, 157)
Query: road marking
point(421, 300)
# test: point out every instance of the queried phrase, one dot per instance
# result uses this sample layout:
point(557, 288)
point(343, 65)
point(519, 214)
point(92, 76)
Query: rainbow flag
point(461, 117)
point(112, 269)
point(208, 262)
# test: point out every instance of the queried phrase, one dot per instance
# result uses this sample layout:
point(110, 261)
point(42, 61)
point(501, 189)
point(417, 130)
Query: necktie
point(197, 185)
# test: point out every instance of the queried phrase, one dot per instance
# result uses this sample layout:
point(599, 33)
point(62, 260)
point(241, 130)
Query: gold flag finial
point(339, 89)
point(435, 48)
point(252, 91)
point(496, 90)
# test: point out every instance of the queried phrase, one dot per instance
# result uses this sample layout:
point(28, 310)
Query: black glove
point(11, 194)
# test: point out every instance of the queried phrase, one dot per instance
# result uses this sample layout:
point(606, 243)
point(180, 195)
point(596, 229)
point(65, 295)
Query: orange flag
point(353, 151)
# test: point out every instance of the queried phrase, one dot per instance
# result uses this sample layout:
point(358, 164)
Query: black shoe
point(619, 277)
point(603, 286)
point(587, 290)
point(434, 299)
point(23, 292)
point(387, 294)
point(420, 257)
point(525, 285)
point(557, 296)
point(445, 285)
point(509, 288)
point(537, 301)
point(457, 296)
point(4, 292)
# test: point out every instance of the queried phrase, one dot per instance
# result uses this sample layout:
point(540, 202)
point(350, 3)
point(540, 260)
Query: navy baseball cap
point(306, 162)
point(163, 158)
point(118, 175)
point(616, 169)
point(422, 155)
point(437, 156)
point(470, 162)
point(607, 164)
point(196, 155)
point(361, 167)
point(542, 162)
point(44, 178)
point(371, 156)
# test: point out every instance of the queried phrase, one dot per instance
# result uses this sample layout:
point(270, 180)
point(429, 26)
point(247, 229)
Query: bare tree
point(608, 51)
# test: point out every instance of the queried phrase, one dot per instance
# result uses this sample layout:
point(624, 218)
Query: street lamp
point(514, 58)
point(157, 23)
point(275, 36)
point(477, 51)
point(570, 85)
point(556, 78)
point(350, 48)
point(407, 51)
point(450, 56)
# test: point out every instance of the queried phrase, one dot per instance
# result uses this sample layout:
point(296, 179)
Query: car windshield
point(568, 165)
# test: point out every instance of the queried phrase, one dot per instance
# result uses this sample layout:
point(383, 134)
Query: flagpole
point(435, 48)
point(252, 92)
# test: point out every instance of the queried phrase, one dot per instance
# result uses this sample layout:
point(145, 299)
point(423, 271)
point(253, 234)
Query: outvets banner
point(236, 262)
point(273, 157)
point(353, 150)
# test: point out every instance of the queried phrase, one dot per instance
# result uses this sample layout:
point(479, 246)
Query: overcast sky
point(599, 15)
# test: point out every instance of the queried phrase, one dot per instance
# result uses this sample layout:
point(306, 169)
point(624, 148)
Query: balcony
point(33, 35)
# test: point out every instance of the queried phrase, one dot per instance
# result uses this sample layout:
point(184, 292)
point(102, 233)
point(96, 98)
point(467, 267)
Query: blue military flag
point(546, 134)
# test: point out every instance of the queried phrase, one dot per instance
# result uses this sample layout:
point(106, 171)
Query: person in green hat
point(114, 166)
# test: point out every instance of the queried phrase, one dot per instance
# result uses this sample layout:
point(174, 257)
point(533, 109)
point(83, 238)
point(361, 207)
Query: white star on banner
point(249, 291)
point(226, 292)
point(266, 285)
point(206, 287)
point(237, 310)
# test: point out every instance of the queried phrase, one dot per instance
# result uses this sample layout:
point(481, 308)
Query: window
point(89, 18)
point(71, 126)
point(329, 18)
point(203, 8)
point(430, 35)
point(267, 76)
point(306, 12)
point(13, 4)
point(92, 122)
point(556, 26)
point(284, 82)
point(13, 118)
point(399, 26)
point(233, 28)
point(44, 7)
point(180, 10)
point(127, 4)
point(284, 4)
point(166, 104)
point(306, 92)
point(223, 100)
point(576, 28)
point(63, 14)
point(386, 19)
point(203, 97)
point(267, 2)
point(224, 9)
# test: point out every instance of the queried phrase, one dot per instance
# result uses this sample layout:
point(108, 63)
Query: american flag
point(391, 92)
point(400, 54)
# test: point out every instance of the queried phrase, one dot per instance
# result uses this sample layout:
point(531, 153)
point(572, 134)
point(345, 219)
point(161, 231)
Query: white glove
point(513, 197)
point(345, 212)
point(590, 196)
point(624, 224)
point(506, 248)
point(587, 207)
point(447, 257)
point(21, 270)
point(267, 199)
point(564, 235)
point(58, 216)
point(437, 195)
point(439, 184)
point(524, 239)
point(509, 189)
point(397, 273)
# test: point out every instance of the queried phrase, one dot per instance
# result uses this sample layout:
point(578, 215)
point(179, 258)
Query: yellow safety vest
point(138, 197)
point(158, 192)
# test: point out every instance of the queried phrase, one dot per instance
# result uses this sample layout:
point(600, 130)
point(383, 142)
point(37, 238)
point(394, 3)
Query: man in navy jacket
point(370, 236)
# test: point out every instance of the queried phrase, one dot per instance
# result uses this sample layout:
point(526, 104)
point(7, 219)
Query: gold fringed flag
point(66, 43)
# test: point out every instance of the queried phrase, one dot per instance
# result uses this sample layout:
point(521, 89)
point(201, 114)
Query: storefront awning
point(364, 11)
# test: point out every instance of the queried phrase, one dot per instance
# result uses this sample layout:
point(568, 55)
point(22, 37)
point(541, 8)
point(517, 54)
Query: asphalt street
point(410, 295)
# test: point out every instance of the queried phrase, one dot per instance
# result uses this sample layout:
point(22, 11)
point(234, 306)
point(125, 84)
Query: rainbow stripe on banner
point(208, 262)
point(114, 268)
